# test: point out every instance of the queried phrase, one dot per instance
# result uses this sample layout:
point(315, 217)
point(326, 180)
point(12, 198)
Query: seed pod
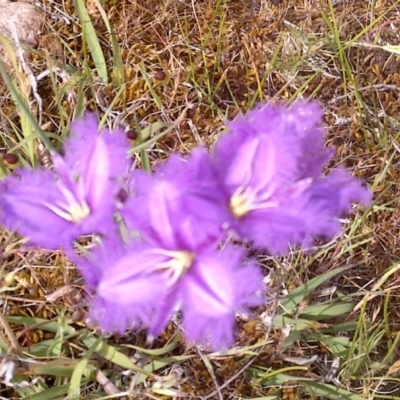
point(10, 161)
point(132, 134)
point(160, 75)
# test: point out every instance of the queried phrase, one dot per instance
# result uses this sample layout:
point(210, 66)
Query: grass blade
point(90, 36)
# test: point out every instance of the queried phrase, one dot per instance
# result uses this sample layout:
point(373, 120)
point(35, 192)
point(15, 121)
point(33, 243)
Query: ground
point(194, 65)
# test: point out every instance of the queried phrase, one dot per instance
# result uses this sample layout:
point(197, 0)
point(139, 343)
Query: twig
point(28, 71)
point(10, 334)
point(209, 396)
point(108, 387)
point(218, 389)
point(378, 87)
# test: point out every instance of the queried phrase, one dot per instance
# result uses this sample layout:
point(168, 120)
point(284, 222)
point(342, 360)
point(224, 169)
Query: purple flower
point(215, 288)
point(127, 288)
point(190, 192)
point(52, 208)
point(174, 267)
point(270, 166)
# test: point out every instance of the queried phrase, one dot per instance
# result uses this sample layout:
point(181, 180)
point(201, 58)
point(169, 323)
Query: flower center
point(78, 211)
point(179, 262)
point(240, 204)
point(71, 209)
point(247, 198)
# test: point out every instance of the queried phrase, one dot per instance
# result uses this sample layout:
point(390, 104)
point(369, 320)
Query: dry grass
point(220, 57)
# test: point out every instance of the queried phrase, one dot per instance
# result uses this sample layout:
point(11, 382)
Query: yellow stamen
point(178, 264)
point(73, 209)
point(239, 205)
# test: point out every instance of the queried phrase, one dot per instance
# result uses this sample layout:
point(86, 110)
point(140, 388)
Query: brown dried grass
point(222, 57)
